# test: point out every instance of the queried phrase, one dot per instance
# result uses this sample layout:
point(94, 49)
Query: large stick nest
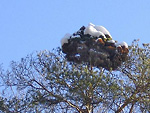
point(85, 48)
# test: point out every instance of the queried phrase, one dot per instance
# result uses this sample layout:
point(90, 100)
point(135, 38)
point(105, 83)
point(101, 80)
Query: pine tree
point(47, 82)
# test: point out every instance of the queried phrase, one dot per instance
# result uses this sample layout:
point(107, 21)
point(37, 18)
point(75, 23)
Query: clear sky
point(33, 25)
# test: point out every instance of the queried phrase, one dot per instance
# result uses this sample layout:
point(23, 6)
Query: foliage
point(46, 82)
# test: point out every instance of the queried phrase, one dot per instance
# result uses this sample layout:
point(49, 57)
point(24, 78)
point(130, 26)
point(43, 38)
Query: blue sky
point(33, 25)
